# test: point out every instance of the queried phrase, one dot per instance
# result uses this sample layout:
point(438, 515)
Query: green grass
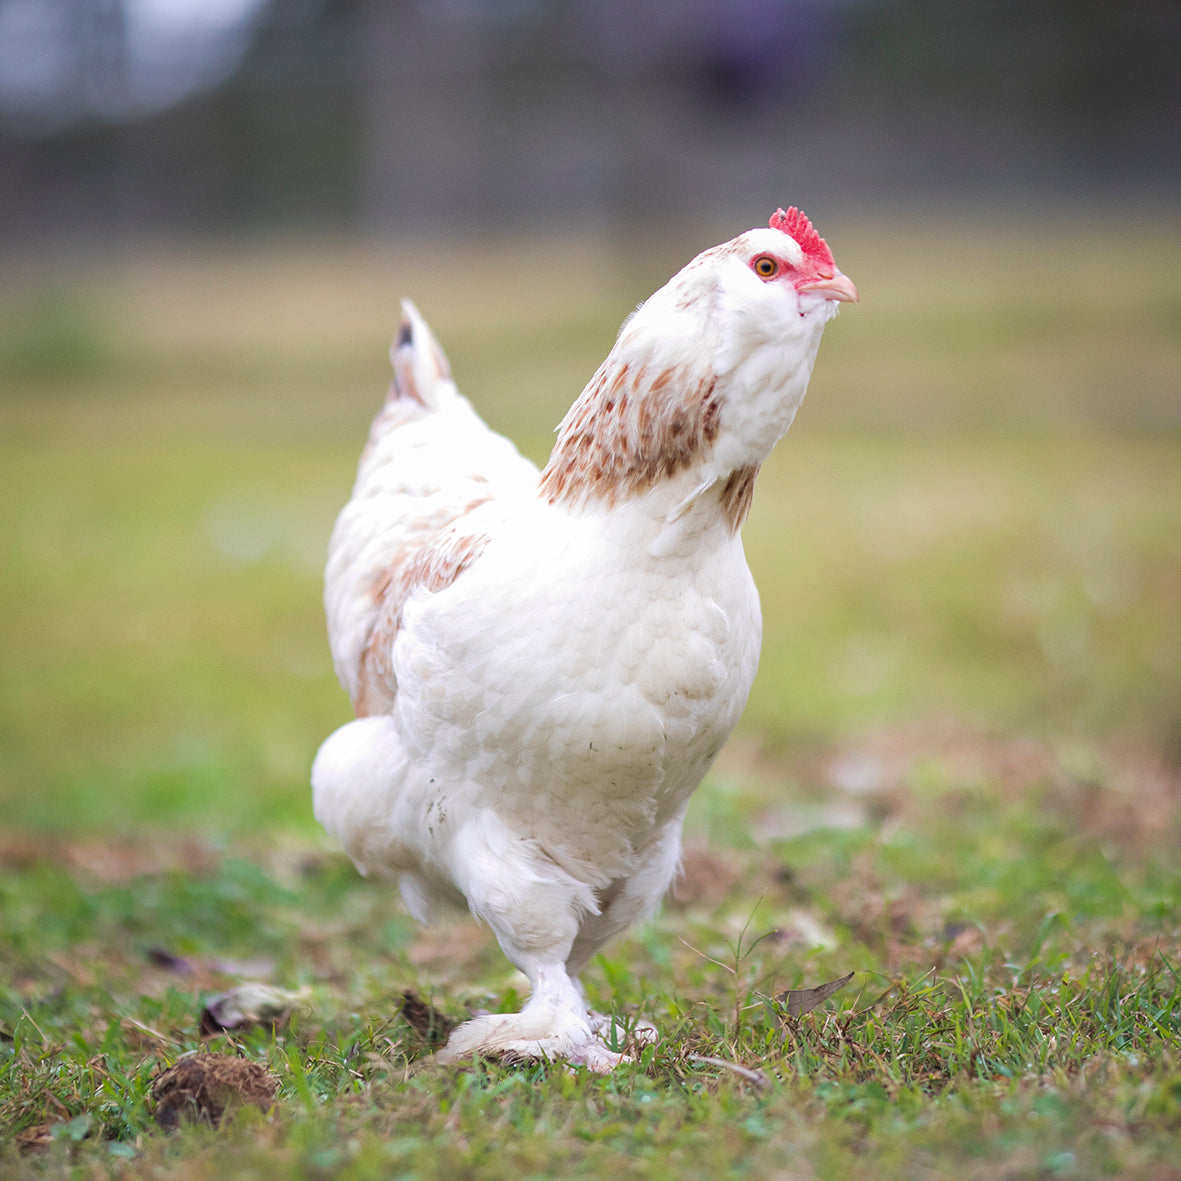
point(957, 776)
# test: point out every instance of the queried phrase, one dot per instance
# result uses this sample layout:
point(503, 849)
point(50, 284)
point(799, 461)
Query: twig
point(752, 1076)
point(697, 951)
point(161, 1037)
point(29, 1019)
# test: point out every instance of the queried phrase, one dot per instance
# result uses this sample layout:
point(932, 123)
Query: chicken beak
point(839, 287)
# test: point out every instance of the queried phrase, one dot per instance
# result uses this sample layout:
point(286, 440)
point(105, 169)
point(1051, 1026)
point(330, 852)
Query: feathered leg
point(562, 933)
point(535, 909)
point(549, 928)
point(621, 905)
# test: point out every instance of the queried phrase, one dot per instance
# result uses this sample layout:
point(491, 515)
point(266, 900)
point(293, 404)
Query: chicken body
point(545, 665)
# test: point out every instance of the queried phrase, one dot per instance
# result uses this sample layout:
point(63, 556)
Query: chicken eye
point(765, 267)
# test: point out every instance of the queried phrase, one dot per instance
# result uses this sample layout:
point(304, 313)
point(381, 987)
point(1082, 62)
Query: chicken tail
point(429, 461)
point(420, 364)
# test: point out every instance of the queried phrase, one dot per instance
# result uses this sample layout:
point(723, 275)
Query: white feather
point(557, 662)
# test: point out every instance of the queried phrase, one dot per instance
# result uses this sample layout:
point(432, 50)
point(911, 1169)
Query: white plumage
point(544, 665)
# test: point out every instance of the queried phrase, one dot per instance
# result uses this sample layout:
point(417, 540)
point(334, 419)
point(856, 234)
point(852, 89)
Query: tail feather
point(420, 364)
point(430, 459)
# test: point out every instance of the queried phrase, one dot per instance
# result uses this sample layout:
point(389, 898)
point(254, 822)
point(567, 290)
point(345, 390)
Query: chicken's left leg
point(534, 909)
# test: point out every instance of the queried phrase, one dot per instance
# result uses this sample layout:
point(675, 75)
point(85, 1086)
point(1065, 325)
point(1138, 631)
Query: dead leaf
point(798, 1001)
point(35, 1139)
point(161, 957)
point(425, 1019)
point(247, 1005)
point(203, 1087)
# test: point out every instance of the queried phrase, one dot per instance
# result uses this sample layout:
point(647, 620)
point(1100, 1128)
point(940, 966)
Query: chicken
point(544, 665)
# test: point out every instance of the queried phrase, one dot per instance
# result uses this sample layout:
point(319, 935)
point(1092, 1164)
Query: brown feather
point(631, 428)
point(434, 567)
point(736, 495)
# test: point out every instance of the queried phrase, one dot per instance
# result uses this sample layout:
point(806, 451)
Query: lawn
point(958, 778)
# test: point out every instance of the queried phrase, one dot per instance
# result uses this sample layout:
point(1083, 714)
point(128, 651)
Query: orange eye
point(765, 266)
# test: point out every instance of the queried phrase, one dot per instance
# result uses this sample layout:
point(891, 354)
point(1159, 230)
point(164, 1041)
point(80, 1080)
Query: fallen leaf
point(35, 1139)
point(203, 1087)
point(41, 1136)
point(247, 1005)
point(425, 1019)
point(798, 1001)
point(161, 957)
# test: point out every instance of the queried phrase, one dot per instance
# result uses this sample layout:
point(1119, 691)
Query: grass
point(957, 776)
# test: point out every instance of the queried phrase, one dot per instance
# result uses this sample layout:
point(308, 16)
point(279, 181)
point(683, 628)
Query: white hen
point(545, 666)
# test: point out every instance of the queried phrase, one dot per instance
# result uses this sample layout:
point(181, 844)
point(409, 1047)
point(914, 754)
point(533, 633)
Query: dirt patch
point(204, 1087)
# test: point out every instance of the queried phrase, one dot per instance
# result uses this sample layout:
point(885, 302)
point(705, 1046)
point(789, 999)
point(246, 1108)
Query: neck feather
point(632, 427)
point(736, 493)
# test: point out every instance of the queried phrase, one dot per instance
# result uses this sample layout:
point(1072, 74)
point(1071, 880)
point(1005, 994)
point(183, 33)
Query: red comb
point(795, 222)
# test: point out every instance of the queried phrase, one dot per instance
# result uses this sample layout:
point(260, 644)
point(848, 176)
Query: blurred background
point(158, 117)
point(208, 212)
